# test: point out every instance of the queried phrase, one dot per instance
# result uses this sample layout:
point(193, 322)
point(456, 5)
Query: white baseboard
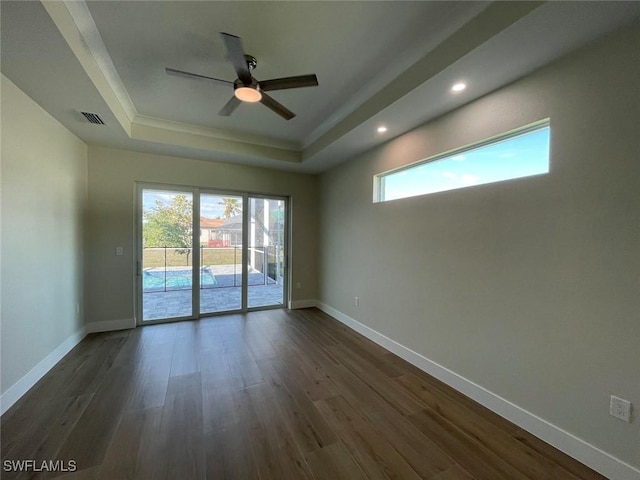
point(573, 446)
point(18, 389)
point(310, 302)
point(110, 325)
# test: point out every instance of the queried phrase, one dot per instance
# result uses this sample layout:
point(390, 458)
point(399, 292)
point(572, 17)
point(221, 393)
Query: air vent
point(93, 118)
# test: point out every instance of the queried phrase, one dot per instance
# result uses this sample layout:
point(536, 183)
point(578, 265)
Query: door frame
point(195, 191)
point(285, 241)
point(243, 258)
point(139, 248)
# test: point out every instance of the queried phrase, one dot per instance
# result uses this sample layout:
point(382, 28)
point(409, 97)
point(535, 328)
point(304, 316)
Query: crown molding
point(74, 21)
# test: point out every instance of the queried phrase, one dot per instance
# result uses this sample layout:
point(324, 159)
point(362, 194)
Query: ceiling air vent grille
point(93, 118)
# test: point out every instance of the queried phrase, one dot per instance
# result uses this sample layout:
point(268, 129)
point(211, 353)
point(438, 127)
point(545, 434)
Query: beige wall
point(111, 213)
point(44, 191)
point(529, 288)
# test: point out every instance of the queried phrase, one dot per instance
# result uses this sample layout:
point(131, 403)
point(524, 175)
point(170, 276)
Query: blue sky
point(209, 207)
point(516, 157)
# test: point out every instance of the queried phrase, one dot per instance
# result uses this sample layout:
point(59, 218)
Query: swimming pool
point(154, 280)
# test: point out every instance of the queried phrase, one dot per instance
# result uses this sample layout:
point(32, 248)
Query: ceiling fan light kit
point(245, 87)
point(247, 93)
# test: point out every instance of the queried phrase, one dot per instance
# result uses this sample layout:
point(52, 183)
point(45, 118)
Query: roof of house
point(211, 222)
point(230, 223)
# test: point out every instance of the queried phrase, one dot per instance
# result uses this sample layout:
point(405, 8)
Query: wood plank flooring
point(275, 395)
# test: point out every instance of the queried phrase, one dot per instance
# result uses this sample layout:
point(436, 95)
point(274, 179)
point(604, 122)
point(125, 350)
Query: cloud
point(211, 211)
point(468, 179)
point(450, 175)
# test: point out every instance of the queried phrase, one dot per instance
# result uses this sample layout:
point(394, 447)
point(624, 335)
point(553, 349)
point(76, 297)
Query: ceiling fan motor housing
point(237, 83)
point(252, 63)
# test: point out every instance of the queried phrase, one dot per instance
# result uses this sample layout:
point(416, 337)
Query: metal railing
point(170, 268)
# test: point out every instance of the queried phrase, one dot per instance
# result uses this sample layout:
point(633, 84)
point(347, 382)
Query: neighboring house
point(221, 232)
point(228, 233)
point(209, 228)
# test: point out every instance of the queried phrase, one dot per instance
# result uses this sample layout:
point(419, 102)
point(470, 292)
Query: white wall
point(111, 217)
point(44, 191)
point(529, 288)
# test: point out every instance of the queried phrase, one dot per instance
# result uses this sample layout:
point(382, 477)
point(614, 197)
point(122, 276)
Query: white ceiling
point(378, 62)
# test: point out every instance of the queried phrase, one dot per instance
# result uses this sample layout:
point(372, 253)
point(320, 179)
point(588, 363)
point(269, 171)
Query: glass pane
point(514, 157)
point(220, 253)
point(167, 258)
point(266, 252)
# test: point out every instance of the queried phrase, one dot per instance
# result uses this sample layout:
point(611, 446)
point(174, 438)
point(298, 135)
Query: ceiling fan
point(245, 87)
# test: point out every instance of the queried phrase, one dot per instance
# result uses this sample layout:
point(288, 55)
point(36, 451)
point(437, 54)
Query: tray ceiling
point(377, 62)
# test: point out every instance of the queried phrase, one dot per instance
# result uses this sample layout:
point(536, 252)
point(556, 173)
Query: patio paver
point(177, 303)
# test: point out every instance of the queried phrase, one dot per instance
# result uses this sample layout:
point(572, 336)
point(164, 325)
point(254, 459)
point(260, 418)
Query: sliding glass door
point(166, 267)
point(221, 250)
point(203, 252)
point(266, 260)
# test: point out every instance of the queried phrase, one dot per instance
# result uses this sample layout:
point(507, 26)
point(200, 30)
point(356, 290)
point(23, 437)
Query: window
point(520, 153)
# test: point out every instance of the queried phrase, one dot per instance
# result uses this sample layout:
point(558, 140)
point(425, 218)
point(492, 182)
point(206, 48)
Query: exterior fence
point(169, 268)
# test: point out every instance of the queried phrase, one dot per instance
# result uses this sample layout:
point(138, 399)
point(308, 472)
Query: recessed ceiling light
point(382, 129)
point(458, 87)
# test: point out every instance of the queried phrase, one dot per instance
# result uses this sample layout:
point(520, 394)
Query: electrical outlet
point(119, 251)
point(356, 301)
point(299, 285)
point(620, 408)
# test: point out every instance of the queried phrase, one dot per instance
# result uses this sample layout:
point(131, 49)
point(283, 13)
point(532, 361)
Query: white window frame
point(378, 179)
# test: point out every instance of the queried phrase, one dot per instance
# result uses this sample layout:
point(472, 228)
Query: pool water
point(175, 279)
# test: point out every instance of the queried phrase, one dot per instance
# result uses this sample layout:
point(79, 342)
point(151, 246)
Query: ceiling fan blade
point(236, 55)
point(180, 73)
point(229, 107)
point(277, 107)
point(289, 82)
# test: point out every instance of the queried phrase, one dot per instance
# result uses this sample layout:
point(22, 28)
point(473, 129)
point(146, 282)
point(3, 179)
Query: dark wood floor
point(271, 395)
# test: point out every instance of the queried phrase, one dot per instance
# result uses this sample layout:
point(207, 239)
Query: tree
point(232, 207)
point(170, 225)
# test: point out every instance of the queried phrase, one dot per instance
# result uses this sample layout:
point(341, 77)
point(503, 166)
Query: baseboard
point(110, 325)
point(22, 386)
point(564, 441)
point(308, 303)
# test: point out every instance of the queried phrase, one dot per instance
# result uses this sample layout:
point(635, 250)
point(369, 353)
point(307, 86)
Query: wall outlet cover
point(620, 408)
